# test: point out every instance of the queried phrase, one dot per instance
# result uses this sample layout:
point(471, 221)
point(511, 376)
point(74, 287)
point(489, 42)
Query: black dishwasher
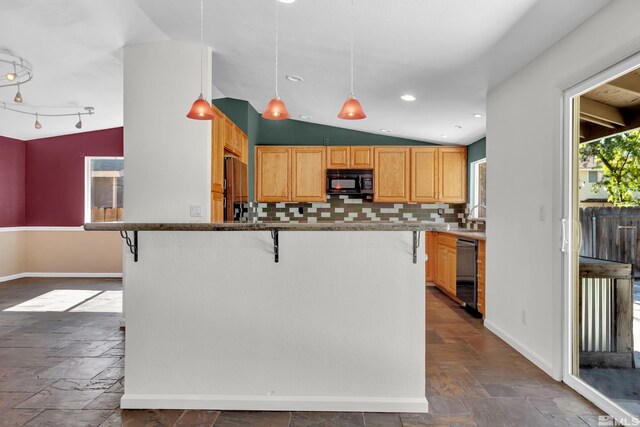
point(466, 272)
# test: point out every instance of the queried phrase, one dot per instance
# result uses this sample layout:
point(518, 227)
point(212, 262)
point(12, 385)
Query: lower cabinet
point(446, 264)
point(430, 247)
point(482, 258)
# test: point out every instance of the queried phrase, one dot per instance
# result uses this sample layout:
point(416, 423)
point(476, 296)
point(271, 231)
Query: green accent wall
point(475, 152)
point(295, 132)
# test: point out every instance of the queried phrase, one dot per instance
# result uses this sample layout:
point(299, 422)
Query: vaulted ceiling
point(448, 54)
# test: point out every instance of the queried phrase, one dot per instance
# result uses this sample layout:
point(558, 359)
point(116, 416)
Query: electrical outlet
point(524, 317)
point(440, 211)
point(300, 210)
point(195, 211)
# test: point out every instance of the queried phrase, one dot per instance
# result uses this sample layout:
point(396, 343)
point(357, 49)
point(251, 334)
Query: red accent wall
point(12, 178)
point(54, 179)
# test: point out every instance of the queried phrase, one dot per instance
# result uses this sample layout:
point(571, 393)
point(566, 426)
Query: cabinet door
point(229, 135)
point(217, 207)
point(451, 270)
point(452, 174)
point(273, 174)
point(217, 153)
point(362, 157)
point(424, 174)
point(392, 174)
point(308, 174)
point(244, 156)
point(441, 267)
point(338, 157)
point(431, 250)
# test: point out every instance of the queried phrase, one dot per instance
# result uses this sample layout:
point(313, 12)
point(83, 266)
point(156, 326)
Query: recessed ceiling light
point(478, 115)
point(286, 1)
point(293, 78)
point(444, 135)
point(408, 97)
point(457, 126)
point(302, 116)
point(386, 130)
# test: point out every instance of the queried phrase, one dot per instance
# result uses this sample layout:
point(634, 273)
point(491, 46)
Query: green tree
point(619, 157)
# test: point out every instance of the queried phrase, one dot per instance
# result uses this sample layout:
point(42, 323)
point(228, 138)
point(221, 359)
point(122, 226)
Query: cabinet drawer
point(447, 240)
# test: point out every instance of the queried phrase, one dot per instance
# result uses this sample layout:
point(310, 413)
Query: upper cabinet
point(308, 174)
point(452, 174)
point(346, 157)
point(391, 174)
point(361, 157)
point(338, 157)
point(273, 174)
point(424, 174)
point(217, 153)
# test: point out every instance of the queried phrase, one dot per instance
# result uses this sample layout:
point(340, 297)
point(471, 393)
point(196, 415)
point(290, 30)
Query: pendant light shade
point(352, 110)
point(201, 109)
point(276, 110)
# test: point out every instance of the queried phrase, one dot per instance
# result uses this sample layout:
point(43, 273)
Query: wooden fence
point(612, 234)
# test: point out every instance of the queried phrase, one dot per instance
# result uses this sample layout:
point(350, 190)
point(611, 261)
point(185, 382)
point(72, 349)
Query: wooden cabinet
point(344, 157)
point(361, 157)
point(392, 174)
point(431, 252)
point(308, 174)
point(482, 258)
point(217, 207)
point(244, 155)
point(446, 264)
point(273, 174)
point(338, 157)
point(217, 154)
point(424, 174)
point(452, 174)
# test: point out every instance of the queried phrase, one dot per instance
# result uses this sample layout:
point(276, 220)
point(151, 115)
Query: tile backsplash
point(340, 208)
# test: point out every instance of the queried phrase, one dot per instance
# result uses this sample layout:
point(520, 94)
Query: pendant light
point(352, 110)
point(37, 124)
point(18, 97)
point(201, 109)
point(276, 110)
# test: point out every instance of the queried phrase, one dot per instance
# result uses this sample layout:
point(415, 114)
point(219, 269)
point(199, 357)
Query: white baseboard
point(522, 349)
point(272, 403)
point(70, 275)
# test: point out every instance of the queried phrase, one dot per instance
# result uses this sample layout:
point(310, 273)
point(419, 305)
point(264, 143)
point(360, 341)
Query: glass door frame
point(570, 229)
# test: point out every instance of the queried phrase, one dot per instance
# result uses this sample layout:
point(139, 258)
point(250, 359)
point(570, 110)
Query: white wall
point(524, 127)
point(167, 156)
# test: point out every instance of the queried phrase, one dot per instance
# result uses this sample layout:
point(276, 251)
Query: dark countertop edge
point(470, 234)
point(344, 226)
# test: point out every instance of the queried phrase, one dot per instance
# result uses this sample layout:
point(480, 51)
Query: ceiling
point(448, 53)
point(611, 108)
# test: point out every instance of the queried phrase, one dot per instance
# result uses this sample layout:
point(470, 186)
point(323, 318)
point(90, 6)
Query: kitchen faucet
point(479, 205)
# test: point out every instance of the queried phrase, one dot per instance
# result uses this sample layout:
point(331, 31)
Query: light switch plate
point(195, 211)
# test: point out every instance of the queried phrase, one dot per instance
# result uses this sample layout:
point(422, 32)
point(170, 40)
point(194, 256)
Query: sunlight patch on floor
point(74, 300)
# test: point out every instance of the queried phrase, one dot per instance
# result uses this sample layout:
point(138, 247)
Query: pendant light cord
point(276, 2)
point(352, 24)
point(201, 42)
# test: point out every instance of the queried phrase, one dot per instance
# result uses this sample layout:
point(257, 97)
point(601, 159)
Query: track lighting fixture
point(79, 124)
point(37, 112)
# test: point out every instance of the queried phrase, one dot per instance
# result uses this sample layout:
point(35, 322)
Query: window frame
point(87, 182)
point(475, 184)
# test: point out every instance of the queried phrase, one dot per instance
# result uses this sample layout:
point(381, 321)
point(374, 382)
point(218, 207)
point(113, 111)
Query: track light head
point(79, 124)
point(18, 97)
point(37, 125)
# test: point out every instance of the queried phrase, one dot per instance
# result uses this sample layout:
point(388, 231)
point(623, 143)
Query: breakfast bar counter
point(318, 317)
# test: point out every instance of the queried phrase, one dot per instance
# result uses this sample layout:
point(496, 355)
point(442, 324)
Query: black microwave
point(350, 181)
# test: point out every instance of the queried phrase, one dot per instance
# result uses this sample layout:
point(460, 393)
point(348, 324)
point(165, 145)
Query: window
point(593, 177)
point(479, 188)
point(104, 185)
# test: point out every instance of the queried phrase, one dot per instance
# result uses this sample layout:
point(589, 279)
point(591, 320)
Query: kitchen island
point(319, 317)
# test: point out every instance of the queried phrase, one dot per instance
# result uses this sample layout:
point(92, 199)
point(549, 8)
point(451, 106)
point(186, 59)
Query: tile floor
point(65, 368)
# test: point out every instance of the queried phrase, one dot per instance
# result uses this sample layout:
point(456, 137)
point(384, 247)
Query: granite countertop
point(463, 232)
point(248, 226)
